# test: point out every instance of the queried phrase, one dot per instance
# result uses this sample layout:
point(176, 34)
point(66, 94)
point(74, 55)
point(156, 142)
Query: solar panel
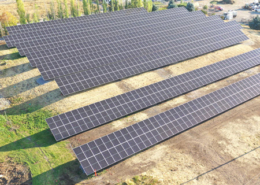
point(102, 25)
point(50, 24)
point(119, 145)
point(62, 40)
point(71, 123)
point(97, 76)
point(85, 45)
point(68, 28)
point(126, 51)
point(83, 51)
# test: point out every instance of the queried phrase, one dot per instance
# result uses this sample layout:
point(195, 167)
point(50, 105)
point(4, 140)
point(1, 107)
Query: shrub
point(205, 12)
point(155, 8)
point(205, 7)
point(255, 23)
point(190, 7)
point(171, 4)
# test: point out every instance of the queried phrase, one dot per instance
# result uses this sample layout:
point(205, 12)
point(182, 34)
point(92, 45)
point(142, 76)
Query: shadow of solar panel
point(73, 20)
point(100, 33)
point(88, 117)
point(119, 145)
point(12, 40)
point(202, 44)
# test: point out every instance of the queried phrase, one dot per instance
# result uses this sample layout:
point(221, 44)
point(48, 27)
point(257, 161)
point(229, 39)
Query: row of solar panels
point(105, 151)
point(91, 52)
point(82, 53)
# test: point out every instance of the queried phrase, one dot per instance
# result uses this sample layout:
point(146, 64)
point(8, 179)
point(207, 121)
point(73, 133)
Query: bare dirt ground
point(223, 150)
point(14, 174)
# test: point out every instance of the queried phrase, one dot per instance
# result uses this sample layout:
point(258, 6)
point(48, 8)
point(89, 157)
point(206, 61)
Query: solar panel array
point(49, 24)
point(80, 28)
point(61, 40)
point(88, 117)
point(112, 148)
point(86, 45)
point(175, 51)
point(124, 50)
point(85, 52)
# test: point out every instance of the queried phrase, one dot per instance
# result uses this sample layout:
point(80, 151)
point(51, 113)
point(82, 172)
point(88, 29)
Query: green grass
point(26, 139)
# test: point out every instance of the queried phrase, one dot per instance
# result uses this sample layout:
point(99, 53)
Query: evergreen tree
point(116, 5)
point(104, 5)
point(154, 8)
point(171, 4)
point(255, 23)
point(126, 4)
point(190, 7)
point(111, 5)
point(66, 9)
point(21, 11)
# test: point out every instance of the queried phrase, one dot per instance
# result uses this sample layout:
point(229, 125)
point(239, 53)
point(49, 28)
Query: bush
point(255, 23)
point(205, 12)
point(155, 8)
point(205, 7)
point(171, 4)
point(190, 7)
point(229, 1)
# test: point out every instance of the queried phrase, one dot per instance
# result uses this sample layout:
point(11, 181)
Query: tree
point(149, 5)
point(51, 15)
point(104, 5)
point(205, 7)
point(97, 2)
point(74, 9)
point(139, 3)
point(7, 19)
point(21, 11)
point(35, 14)
point(28, 18)
point(171, 4)
point(190, 7)
point(154, 8)
point(145, 4)
point(66, 9)
point(78, 11)
point(116, 5)
point(126, 4)
point(112, 5)
point(255, 23)
point(60, 10)
point(86, 7)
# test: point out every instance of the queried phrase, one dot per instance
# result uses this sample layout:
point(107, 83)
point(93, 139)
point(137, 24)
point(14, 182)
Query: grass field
point(26, 139)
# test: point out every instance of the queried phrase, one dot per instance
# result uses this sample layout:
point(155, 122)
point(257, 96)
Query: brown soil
point(211, 153)
point(14, 174)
